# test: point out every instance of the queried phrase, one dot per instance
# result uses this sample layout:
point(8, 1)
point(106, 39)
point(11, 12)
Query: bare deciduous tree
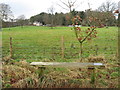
point(5, 12)
point(21, 17)
point(108, 6)
point(51, 11)
point(21, 20)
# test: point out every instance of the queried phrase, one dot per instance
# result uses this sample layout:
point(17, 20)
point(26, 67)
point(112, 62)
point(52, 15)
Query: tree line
point(65, 19)
point(104, 13)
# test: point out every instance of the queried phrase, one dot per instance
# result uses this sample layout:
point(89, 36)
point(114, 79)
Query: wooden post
point(52, 54)
point(11, 51)
point(41, 74)
point(62, 46)
point(92, 70)
point(96, 50)
point(44, 51)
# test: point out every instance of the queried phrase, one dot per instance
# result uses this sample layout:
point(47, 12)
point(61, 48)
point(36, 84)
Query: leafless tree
point(21, 20)
point(5, 12)
point(21, 17)
point(51, 11)
point(108, 6)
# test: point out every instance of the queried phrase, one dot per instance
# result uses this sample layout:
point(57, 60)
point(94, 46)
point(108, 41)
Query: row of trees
point(19, 21)
point(55, 19)
point(106, 18)
point(104, 13)
point(7, 17)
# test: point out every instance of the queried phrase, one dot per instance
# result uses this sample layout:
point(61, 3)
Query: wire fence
point(23, 50)
point(27, 49)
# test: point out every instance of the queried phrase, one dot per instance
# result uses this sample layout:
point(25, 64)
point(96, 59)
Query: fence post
point(41, 74)
point(62, 46)
point(93, 76)
point(52, 54)
point(11, 51)
point(96, 49)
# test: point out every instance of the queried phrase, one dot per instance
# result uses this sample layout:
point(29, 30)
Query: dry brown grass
point(18, 74)
point(22, 75)
point(97, 59)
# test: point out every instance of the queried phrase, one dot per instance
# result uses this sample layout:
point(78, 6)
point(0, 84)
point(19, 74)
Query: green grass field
point(32, 43)
point(41, 42)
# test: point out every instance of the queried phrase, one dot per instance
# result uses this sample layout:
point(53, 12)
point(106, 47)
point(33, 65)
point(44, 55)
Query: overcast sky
point(33, 7)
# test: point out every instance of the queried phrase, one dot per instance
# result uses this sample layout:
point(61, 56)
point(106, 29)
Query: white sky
point(33, 7)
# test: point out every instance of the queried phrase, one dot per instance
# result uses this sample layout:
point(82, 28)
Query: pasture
point(32, 43)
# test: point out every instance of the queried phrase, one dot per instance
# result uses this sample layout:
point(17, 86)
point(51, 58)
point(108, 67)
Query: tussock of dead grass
point(26, 65)
point(17, 74)
point(29, 82)
point(96, 59)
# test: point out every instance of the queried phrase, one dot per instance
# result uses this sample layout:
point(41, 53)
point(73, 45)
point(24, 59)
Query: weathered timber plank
point(66, 64)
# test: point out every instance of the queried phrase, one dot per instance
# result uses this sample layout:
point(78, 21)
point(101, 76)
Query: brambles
point(84, 35)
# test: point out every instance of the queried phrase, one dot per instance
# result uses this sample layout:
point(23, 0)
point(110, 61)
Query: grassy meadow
point(32, 43)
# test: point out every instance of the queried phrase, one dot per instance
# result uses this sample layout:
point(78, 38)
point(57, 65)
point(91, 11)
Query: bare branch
point(64, 3)
point(62, 7)
point(69, 4)
point(77, 5)
point(74, 2)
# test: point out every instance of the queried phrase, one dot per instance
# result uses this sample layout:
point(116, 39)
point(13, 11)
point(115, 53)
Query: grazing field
point(32, 43)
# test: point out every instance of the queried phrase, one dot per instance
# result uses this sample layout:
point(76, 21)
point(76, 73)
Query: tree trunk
point(81, 51)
